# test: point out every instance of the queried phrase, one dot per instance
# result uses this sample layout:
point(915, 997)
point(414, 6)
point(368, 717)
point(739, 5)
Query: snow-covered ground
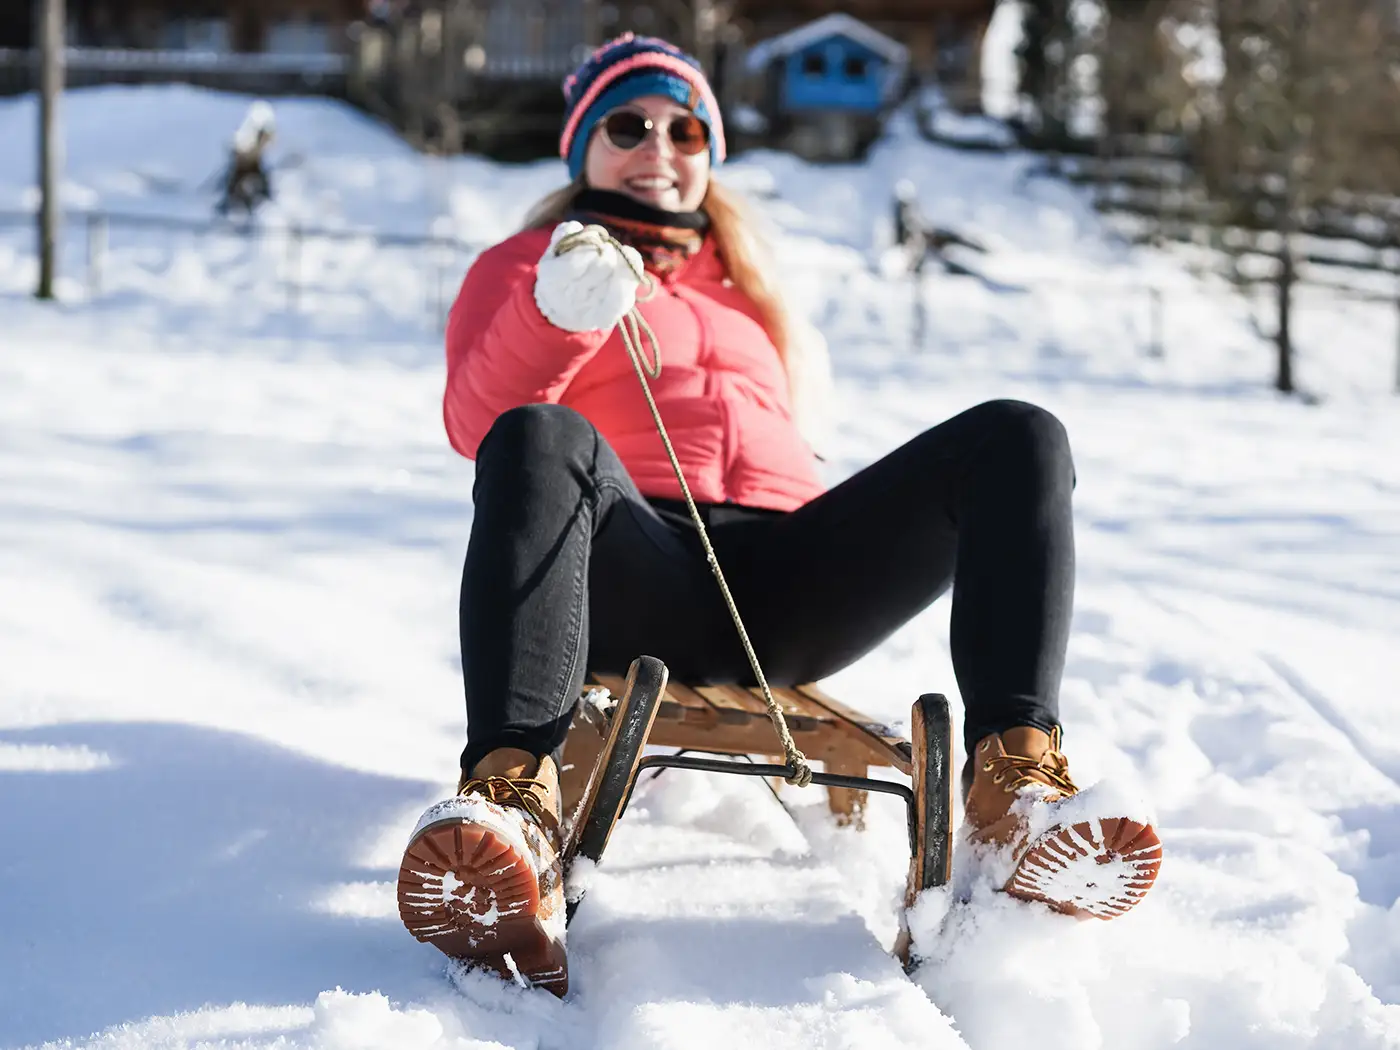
point(231, 535)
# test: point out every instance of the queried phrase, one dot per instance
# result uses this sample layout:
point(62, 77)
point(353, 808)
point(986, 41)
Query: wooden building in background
point(483, 74)
point(943, 37)
point(17, 25)
point(219, 26)
point(265, 47)
point(822, 90)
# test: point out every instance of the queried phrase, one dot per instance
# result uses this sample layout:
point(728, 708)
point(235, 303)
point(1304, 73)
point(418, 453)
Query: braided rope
point(632, 327)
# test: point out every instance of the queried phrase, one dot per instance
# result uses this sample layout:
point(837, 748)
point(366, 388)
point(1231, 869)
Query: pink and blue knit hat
point(627, 68)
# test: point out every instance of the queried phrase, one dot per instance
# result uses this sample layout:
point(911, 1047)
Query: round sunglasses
point(626, 129)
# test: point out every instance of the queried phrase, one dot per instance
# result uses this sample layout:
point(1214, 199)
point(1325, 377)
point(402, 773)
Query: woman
point(582, 555)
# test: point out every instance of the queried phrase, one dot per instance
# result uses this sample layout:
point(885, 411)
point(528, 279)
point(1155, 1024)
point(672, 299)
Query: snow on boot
point(481, 878)
point(1018, 796)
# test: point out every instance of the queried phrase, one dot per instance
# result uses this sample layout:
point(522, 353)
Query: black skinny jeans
point(571, 569)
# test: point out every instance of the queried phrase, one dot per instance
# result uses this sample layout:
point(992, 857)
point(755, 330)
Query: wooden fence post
point(1156, 347)
point(51, 78)
point(294, 268)
point(96, 251)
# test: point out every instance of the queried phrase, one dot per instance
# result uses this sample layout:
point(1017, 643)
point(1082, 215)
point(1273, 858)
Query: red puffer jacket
point(723, 392)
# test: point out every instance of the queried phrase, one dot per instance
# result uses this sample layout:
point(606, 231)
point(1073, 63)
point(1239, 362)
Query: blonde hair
point(751, 266)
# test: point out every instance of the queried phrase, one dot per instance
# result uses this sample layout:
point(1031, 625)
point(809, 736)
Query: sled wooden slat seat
point(733, 720)
point(619, 717)
point(677, 705)
point(733, 706)
point(880, 739)
point(799, 712)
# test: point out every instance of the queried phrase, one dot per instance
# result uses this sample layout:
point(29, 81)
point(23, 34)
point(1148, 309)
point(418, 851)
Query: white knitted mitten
point(590, 286)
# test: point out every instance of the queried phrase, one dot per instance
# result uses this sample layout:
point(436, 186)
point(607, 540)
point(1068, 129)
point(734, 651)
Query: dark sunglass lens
point(625, 130)
point(690, 134)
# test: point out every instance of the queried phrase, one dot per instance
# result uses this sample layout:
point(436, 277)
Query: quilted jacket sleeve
point(501, 352)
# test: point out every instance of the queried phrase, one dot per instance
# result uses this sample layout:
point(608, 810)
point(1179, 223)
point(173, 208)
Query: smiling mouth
point(650, 184)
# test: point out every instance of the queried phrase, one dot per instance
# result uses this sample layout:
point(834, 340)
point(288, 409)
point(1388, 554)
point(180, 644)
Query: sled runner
point(618, 718)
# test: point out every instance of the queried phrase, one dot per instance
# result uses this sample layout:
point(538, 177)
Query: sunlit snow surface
point(231, 534)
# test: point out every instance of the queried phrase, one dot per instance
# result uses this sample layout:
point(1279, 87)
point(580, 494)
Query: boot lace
point(504, 791)
point(1017, 771)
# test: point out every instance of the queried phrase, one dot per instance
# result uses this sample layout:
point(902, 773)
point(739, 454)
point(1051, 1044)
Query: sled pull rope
point(632, 328)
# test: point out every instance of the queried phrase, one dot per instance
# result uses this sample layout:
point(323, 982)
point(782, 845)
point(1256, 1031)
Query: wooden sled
point(603, 756)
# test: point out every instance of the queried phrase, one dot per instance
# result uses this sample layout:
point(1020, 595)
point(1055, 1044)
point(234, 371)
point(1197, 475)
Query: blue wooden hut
point(826, 86)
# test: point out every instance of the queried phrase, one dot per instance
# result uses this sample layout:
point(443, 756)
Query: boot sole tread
point(1091, 869)
point(473, 895)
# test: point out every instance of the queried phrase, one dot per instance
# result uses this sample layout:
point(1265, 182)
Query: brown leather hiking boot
point(481, 878)
point(1017, 798)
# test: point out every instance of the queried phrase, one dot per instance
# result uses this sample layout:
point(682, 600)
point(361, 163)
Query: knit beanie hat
point(627, 68)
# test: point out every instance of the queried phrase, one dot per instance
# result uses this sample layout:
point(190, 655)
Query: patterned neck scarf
point(664, 239)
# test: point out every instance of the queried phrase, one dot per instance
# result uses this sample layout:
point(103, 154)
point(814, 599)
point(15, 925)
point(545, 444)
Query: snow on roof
point(832, 25)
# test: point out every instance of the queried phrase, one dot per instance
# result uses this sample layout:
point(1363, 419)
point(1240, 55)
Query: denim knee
point(535, 433)
point(1024, 435)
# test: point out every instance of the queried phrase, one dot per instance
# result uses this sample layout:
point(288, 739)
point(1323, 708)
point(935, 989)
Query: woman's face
point(654, 172)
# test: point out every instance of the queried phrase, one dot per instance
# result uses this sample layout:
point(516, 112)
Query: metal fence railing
point(411, 279)
point(260, 72)
point(291, 268)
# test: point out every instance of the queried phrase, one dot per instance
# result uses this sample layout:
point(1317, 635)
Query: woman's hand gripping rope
point(633, 327)
point(586, 291)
